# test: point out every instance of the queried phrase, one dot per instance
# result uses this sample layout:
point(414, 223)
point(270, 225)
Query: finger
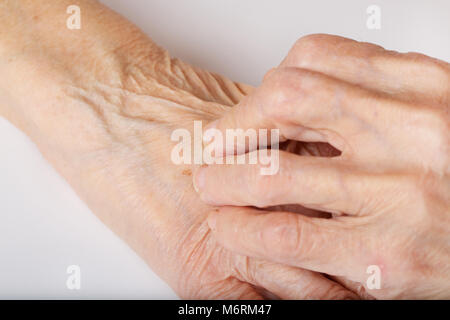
point(327, 184)
point(369, 65)
point(306, 106)
point(289, 282)
point(269, 107)
point(321, 245)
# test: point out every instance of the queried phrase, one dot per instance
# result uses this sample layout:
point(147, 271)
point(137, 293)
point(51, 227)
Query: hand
point(101, 104)
point(388, 190)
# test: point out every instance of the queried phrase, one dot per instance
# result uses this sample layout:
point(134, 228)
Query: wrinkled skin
point(101, 104)
point(388, 190)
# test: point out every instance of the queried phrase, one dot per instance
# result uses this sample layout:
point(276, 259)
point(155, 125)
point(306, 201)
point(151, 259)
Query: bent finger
point(371, 66)
point(327, 184)
point(288, 282)
point(321, 245)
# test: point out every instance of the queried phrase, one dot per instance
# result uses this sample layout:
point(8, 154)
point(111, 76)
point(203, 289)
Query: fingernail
point(212, 220)
point(199, 179)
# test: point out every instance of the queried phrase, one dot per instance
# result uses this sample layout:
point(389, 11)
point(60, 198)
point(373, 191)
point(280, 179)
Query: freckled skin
point(186, 172)
point(101, 103)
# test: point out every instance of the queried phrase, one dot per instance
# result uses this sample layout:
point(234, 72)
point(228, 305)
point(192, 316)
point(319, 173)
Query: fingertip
point(204, 181)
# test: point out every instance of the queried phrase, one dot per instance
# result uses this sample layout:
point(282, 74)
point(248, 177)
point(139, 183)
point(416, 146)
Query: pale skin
point(388, 190)
point(101, 103)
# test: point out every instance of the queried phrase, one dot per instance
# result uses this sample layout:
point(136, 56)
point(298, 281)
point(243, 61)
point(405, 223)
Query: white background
point(44, 227)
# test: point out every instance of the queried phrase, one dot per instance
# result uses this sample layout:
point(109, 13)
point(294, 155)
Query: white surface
point(44, 227)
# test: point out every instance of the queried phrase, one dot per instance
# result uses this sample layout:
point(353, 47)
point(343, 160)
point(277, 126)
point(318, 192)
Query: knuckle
point(284, 87)
point(431, 135)
point(282, 231)
point(261, 190)
point(422, 59)
point(309, 51)
point(426, 190)
point(439, 69)
point(437, 129)
point(270, 190)
point(416, 188)
point(370, 56)
point(440, 122)
point(312, 41)
point(306, 49)
point(339, 184)
point(366, 50)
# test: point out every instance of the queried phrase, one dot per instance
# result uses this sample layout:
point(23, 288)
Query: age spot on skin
point(187, 172)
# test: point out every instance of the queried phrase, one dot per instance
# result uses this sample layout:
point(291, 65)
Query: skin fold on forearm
point(108, 53)
point(88, 97)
